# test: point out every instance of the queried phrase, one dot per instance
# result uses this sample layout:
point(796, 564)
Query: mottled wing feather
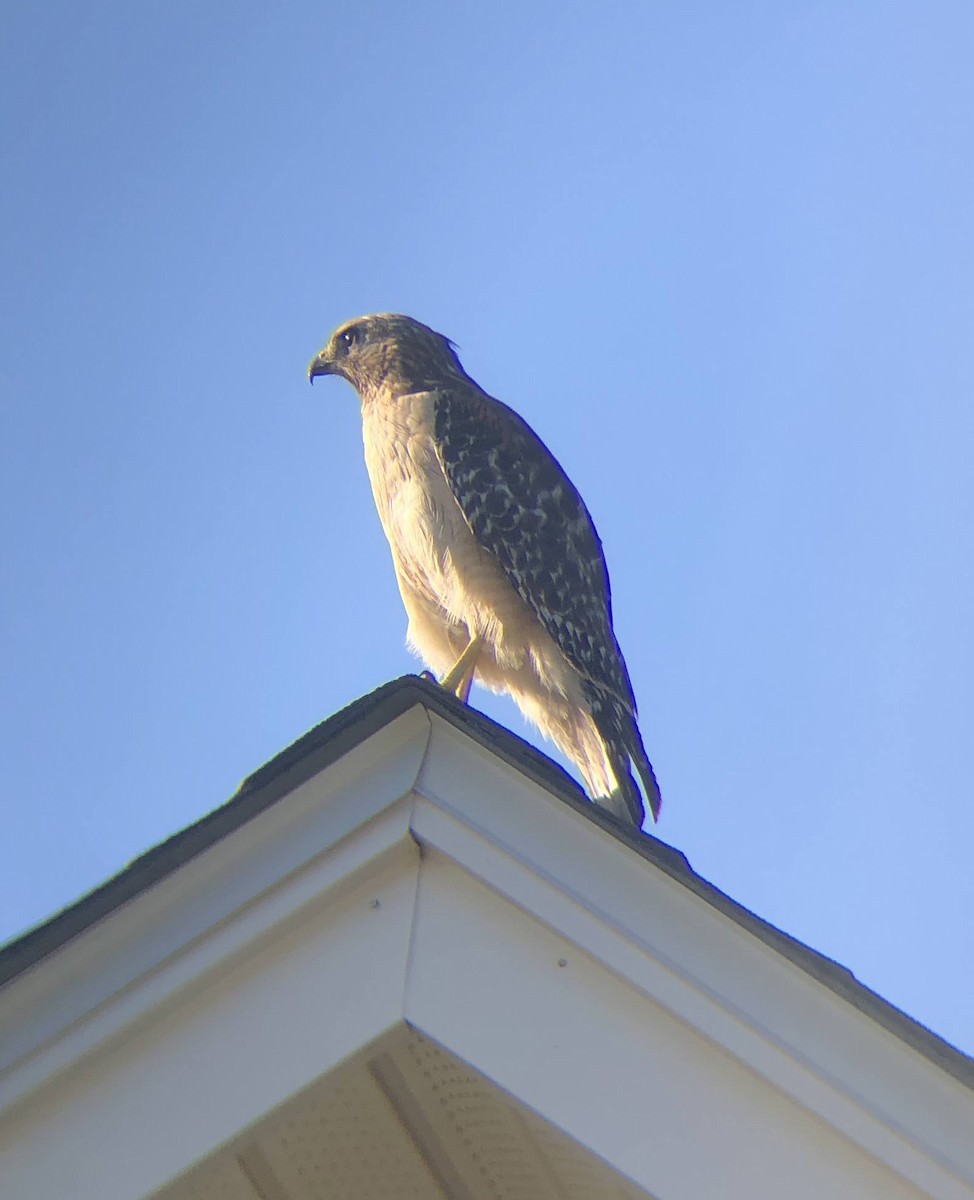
point(523, 509)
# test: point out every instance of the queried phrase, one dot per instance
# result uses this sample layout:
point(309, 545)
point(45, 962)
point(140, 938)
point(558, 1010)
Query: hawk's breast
point(432, 546)
point(444, 574)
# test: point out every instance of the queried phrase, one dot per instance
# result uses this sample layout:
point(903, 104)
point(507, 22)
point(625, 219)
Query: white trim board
point(422, 879)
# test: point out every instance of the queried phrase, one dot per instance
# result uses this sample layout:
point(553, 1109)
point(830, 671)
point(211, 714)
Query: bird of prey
point(498, 562)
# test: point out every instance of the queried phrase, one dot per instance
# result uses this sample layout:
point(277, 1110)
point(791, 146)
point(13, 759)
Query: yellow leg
point(460, 675)
point(463, 687)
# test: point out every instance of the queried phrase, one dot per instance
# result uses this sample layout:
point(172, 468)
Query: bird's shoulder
point(486, 446)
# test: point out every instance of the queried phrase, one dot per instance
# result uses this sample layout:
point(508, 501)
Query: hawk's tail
point(623, 745)
point(646, 773)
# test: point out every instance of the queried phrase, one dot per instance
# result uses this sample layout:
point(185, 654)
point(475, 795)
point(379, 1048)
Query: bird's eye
point(349, 337)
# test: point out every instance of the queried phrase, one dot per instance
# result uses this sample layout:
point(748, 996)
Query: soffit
point(407, 1121)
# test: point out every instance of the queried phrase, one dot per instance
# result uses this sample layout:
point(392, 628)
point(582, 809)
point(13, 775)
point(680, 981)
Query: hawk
point(498, 562)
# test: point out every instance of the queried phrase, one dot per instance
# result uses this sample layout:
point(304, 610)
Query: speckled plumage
point(489, 537)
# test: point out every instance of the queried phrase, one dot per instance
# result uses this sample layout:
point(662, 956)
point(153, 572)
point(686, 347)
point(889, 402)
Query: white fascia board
point(621, 1075)
point(260, 963)
point(114, 973)
point(702, 967)
point(212, 1056)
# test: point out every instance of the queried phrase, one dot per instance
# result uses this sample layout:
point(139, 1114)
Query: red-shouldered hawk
point(499, 565)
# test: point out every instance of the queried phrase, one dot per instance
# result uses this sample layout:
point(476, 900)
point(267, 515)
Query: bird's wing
point(524, 510)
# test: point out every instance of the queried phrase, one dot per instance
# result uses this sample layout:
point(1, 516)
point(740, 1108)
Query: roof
point(410, 939)
point(336, 736)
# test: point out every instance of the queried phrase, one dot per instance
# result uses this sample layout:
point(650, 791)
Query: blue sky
point(720, 256)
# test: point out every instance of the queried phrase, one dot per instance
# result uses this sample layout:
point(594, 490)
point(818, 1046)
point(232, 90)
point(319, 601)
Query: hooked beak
point(321, 364)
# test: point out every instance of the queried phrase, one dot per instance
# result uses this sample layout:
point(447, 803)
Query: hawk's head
point(387, 353)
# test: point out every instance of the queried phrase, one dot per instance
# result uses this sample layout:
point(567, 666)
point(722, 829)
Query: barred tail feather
point(600, 736)
point(625, 800)
point(623, 744)
point(646, 773)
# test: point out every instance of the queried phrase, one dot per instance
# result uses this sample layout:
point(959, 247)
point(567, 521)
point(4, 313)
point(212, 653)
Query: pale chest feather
point(420, 517)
